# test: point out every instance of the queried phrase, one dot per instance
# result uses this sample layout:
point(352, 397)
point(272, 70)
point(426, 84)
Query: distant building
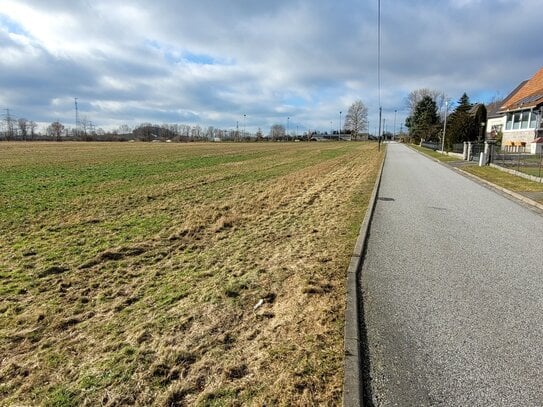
point(521, 113)
point(495, 123)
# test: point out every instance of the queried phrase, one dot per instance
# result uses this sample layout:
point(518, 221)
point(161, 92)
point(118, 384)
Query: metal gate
point(476, 150)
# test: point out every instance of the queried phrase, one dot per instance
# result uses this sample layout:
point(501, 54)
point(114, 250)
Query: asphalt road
point(452, 288)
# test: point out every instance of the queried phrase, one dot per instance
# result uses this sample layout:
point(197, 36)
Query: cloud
point(210, 62)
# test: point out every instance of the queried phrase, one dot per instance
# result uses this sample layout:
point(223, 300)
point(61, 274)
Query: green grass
point(129, 272)
point(535, 171)
point(505, 180)
point(529, 164)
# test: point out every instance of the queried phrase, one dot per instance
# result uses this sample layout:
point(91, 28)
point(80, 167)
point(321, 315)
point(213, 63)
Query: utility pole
point(394, 134)
point(339, 132)
point(288, 124)
point(444, 127)
point(76, 118)
point(379, 134)
point(379, 68)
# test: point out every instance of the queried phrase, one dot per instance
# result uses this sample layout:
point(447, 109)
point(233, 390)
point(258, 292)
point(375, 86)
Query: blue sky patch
point(10, 25)
point(198, 58)
point(295, 101)
point(175, 56)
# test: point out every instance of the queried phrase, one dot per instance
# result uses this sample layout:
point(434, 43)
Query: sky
point(256, 62)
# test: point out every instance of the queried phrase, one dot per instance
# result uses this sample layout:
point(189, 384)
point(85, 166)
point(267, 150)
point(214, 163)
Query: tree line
point(465, 123)
point(356, 123)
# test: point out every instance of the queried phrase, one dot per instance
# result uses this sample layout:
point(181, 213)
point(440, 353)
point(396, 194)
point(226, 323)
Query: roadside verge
point(352, 381)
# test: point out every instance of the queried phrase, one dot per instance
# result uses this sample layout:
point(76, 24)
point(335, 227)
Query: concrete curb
point(489, 184)
point(352, 381)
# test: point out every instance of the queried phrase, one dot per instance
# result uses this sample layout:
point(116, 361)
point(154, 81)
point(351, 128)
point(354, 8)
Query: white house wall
point(495, 121)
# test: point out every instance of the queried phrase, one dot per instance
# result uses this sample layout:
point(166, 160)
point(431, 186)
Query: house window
point(516, 121)
point(509, 122)
point(533, 119)
point(525, 119)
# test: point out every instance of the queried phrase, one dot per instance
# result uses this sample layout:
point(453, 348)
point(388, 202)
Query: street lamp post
point(331, 128)
point(394, 135)
point(288, 123)
point(444, 127)
point(76, 118)
point(380, 123)
point(339, 132)
point(244, 124)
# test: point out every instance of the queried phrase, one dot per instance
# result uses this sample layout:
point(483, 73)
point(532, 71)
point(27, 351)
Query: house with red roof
point(521, 112)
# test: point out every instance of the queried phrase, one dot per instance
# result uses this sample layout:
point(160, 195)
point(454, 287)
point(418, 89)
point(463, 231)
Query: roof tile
point(529, 95)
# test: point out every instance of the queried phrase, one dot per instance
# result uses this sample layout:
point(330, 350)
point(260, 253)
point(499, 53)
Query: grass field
point(177, 274)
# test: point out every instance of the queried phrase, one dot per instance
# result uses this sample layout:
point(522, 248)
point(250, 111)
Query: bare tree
point(495, 103)
point(414, 98)
point(357, 118)
point(184, 129)
point(209, 132)
point(32, 126)
point(55, 129)
point(84, 126)
point(23, 127)
point(10, 126)
point(277, 131)
point(195, 133)
point(258, 135)
point(124, 129)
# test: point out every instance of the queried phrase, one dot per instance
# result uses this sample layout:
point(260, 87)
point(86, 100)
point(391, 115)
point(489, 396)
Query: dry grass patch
point(177, 274)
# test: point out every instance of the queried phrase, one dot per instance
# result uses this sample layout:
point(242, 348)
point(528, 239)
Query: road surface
point(452, 288)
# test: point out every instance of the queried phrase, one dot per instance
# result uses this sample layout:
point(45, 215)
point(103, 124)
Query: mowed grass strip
point(504, 179)
point(177, 274)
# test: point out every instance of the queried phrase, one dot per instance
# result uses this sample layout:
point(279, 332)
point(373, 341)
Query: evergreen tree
point(424, 123)
point(461, 125)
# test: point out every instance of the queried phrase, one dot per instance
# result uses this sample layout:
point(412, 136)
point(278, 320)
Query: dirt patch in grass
point(226, 287)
